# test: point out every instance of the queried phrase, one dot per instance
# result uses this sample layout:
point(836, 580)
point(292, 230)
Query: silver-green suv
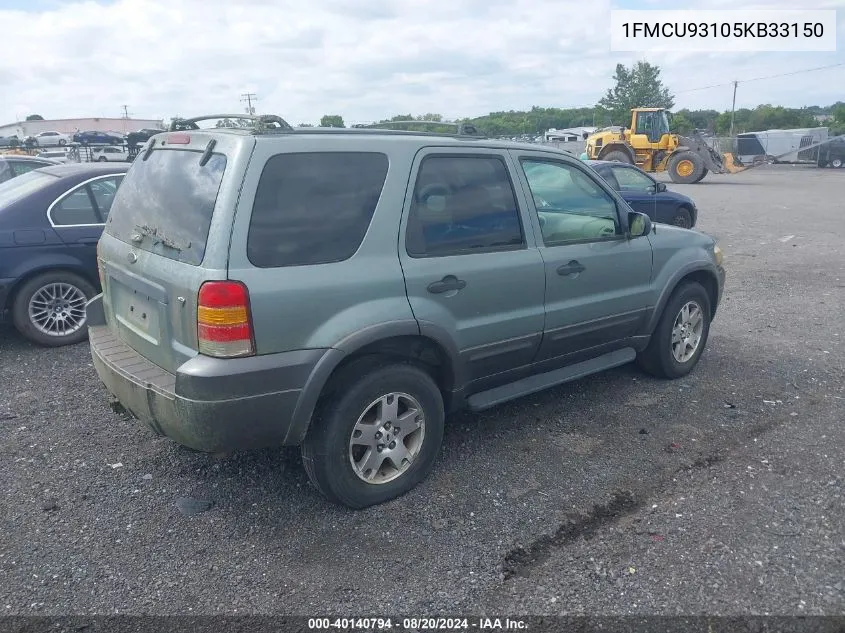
point(344, 290)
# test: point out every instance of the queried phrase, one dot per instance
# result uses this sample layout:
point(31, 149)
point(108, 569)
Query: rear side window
point(166, 202)
point(463, 205)
point(314, 208)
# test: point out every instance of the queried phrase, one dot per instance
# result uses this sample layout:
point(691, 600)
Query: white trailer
point(780, 146)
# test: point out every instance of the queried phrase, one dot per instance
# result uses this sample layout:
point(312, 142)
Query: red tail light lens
point(224, 323)
point(179, 139)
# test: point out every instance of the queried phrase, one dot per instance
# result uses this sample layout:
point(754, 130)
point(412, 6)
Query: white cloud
point(384, 57)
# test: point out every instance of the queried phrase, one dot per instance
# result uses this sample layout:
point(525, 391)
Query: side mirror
point(639, 224)
point(660, 187)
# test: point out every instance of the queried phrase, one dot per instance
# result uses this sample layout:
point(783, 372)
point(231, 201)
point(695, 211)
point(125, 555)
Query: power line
point(742, 81)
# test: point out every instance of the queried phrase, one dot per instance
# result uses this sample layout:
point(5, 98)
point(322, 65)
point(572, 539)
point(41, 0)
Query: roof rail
point(461, 129)
point(261, 122)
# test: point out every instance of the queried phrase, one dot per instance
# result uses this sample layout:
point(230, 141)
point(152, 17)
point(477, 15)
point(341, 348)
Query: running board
point(526, 386)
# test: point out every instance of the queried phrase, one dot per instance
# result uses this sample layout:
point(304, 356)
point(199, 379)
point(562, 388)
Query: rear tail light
point(179, 139)
point(224, 324)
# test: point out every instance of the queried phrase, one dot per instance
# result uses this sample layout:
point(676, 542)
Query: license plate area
point(136, 312)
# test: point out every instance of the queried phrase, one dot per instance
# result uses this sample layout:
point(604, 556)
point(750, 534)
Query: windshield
point(165, 203)
point(21, 186)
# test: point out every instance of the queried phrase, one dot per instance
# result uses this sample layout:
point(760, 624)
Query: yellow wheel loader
point(650, 145)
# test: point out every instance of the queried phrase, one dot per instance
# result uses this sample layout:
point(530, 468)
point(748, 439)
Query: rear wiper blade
point(158, 238)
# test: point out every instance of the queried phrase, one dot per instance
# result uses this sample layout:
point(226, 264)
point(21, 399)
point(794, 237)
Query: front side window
point(630, 179)
point(463, 205)
point(571, 205)
point(314, 208)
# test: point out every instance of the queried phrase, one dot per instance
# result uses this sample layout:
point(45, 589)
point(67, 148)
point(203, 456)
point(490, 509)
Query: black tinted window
point(314, 208)
point(168, 200)
point(75, 208)
point(462, 205)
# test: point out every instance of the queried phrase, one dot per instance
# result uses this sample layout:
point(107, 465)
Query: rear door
point(470, 261)
point(167, 232)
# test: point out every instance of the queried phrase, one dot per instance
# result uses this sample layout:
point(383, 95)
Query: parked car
point(133, 139)
point(646, 195)
point(278, 306)
point(50, 221)
point(50, 139)
point(10, 141)
point(110, 153)
point(832, 154)
point(12, 166)
point(56, 155)
point(97, 138)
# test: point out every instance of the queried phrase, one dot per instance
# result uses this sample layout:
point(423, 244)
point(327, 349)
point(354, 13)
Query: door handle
point(571, 268)
point(449, 282)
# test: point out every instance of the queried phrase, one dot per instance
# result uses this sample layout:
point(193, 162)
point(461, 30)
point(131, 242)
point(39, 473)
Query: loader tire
point(617, 157)
point(686, 168)
point(703, 174)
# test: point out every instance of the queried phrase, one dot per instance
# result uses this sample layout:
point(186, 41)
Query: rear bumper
point(209, 404)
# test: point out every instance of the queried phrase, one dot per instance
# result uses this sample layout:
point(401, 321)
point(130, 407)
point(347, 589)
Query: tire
point(327, 453)
point(617, 156)
point(62, 142)
point(28, 325)
point(837, 163)
point(102, 159)
point(686, 168)
point(658, 358)
point(682, 218)
point(703, 174)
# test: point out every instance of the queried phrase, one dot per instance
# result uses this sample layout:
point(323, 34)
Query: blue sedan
point(50, 221)
point(645, 195)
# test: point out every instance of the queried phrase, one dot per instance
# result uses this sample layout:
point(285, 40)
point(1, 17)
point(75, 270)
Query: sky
point(365, 59)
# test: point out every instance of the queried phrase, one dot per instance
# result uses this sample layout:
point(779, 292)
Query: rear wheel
point(837, 162)
point(703, 174)
point(686, 168)
point(50, 309)
point(102, 159)
point(62, 142)
point(681, 334)
point(376, 437)
point(617, 157)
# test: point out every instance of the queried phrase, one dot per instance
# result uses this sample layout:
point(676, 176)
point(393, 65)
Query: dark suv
point(343, 290)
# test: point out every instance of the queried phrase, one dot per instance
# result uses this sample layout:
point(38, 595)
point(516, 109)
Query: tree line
point(637, 86)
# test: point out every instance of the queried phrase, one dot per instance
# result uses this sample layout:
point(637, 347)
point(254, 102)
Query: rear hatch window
point(166, 202)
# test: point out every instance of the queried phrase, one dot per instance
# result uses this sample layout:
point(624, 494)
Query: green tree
point(332, 120)
point(639, 86)
point(839, 113)
point(681, 124)
point(35, 117)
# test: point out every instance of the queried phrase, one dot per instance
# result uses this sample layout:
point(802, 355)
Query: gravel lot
point(720, 493)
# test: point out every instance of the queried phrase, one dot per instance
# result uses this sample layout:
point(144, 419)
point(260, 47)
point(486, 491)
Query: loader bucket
point(732, 166)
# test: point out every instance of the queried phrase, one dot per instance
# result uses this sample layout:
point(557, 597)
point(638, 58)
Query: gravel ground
point(720, 493)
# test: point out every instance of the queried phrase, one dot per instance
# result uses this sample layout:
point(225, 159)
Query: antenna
point(249, 97)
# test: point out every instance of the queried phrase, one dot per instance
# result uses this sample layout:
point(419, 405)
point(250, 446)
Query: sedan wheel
point(50, 308)
point(682, 219)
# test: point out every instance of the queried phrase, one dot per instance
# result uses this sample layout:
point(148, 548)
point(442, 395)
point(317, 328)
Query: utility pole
point(125, 111)
point(733, 109)
point(249, 97)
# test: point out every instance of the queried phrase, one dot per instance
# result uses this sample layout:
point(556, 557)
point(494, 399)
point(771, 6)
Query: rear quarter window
point(314, 208)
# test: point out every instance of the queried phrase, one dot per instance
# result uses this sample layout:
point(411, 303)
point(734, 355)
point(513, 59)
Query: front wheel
point(681, 334)
point(682, 218)
point(50, 309)
point(62, 142)
point(377, 436)
point(686, 167)
point(837, 163)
